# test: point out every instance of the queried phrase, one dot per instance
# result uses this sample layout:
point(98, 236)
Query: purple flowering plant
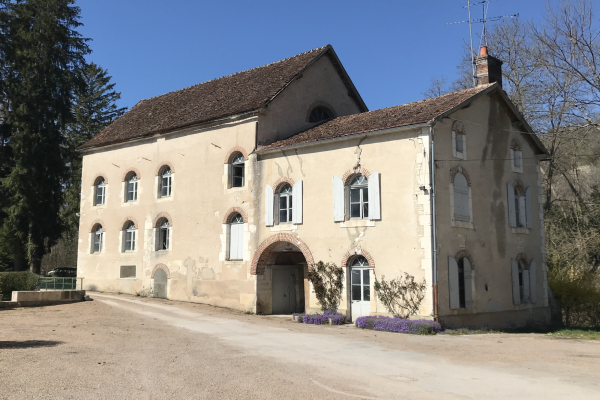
point(400, 325)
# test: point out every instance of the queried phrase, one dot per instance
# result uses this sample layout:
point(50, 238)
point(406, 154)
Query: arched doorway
point(159, 289)
point(360, 287)
point(281, 264)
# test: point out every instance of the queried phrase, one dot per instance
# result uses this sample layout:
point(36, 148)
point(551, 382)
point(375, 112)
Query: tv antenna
point(483, 41)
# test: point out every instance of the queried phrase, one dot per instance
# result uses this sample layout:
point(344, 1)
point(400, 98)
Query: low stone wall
point(48, 297)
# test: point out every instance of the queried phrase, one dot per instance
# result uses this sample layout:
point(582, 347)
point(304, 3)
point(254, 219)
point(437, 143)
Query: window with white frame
point(461, 198)
point(516, 157)
point(359, 199)
point(99, 192)
point(163, 235)
point(129, 237)
point(97, 239)
point(459, 145)
point(460, 282)
point(166, 181)
point(519, 206)
point(524, 281)
point(237, 170)
point(285, 200)
point(131, 187)
point(236, 237)
point(285, 206)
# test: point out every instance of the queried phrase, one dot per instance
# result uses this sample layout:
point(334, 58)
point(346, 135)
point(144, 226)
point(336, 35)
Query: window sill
point(235, 261)
point(129, 279)
point(161, 199)
point(284, 228)
point(235, 189)
point(130, 202)
point(357, 223)
point(521, 230)
point(462, 224)
point(517, 170)
point(131, 252)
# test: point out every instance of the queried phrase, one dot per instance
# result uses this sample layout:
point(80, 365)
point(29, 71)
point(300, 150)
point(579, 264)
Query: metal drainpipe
point(433, 230)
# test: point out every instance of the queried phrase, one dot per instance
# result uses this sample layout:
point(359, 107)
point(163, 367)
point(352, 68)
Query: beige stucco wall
point(287, 113)
point(491, 242)
point(398, 242)
point(199, 203)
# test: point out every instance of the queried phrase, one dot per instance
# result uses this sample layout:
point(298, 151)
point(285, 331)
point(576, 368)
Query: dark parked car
point(63, 272)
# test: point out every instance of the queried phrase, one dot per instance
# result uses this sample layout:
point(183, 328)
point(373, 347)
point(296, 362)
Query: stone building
point(226, 192)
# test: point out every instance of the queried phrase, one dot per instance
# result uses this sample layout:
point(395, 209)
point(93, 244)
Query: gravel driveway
point(122, 347)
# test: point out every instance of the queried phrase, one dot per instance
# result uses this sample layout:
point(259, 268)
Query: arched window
point(359, 197)
point(166, 178)
point(319, 114)
point(461, 198)
point(163, 234)
point(236, 237)
point(98, 239)
point(132, 186)
point(285, 203)
point(524, 280)
point(460, 285)
point(129, 237)
point(237, 170)
point(100, 192)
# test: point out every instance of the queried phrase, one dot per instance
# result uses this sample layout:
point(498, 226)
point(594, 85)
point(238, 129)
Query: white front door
point(361, 292)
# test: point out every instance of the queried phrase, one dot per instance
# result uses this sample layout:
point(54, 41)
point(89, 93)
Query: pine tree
point(94, 109)
point(42, 53)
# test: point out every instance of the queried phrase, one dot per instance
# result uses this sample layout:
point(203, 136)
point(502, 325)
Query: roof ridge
point(236, 73)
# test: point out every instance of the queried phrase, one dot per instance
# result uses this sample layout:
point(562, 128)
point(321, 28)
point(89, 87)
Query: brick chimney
point(489, 69)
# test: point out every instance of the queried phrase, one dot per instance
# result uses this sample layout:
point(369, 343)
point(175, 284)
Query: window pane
point(290, 214)
point(356, 276)
point(283, 216)
point(365, 194)
point(356, 292)
point(282, 202)
point(366, 293)
point(355, 210)
point(354, 195)
point(365, 210)
point(459, 143)
point(366, 277)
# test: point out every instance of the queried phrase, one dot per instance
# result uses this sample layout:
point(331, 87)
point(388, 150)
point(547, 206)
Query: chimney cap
point(483, 51)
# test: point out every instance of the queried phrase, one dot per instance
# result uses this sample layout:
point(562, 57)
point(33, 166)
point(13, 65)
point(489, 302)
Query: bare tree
point(436, 88)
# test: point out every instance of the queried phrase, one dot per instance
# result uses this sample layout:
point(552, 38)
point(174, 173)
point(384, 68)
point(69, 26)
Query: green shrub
point(578, 296)
point(17, 281)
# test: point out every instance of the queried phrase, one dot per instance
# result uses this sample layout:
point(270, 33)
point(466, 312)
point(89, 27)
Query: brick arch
point(262, 254)
point(161, 266)
point(456, 170)
point(98, 222)
point(137, 173)
point(351, 173)
point(128, 219)
point(235, 210)
point(319, 104)
point(519, 187)
point(279, 182)
point(103, 176)
point(467, 255)
point(236, 149)
point(357, 252)
point(459, 127)
point(162, 165)
point(516, 145)
point(163, 215)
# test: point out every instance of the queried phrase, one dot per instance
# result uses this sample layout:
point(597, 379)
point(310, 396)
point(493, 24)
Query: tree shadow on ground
point(27, 344)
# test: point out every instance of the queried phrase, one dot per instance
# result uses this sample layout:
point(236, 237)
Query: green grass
point(562, 333)
point(576, 333)
point(465, 331)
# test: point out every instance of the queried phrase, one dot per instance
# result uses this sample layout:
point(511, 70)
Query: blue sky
point(391, 49)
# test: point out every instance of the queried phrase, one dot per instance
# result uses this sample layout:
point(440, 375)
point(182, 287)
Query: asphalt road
point(124, 347)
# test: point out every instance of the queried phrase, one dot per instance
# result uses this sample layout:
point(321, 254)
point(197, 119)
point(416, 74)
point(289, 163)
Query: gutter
point(342, 138)
point(433, 226)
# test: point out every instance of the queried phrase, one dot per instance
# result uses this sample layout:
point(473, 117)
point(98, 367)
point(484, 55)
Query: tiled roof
point(219, 98)
point(403, 115)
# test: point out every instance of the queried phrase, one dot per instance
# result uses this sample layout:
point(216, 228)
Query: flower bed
point(390, 324)
point(321, 319)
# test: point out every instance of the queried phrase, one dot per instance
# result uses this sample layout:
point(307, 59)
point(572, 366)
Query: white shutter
point(374, 197)
point(514, 267)
point(453, 283)
point(529, 215)
point(522, 211)
point(526, 291)
point(236, 238)
point(468, 283)
point(338, 199)
point(297, 203)
point(461, 198)
point(512, 218)
point(268, 205)
point(532, 282)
